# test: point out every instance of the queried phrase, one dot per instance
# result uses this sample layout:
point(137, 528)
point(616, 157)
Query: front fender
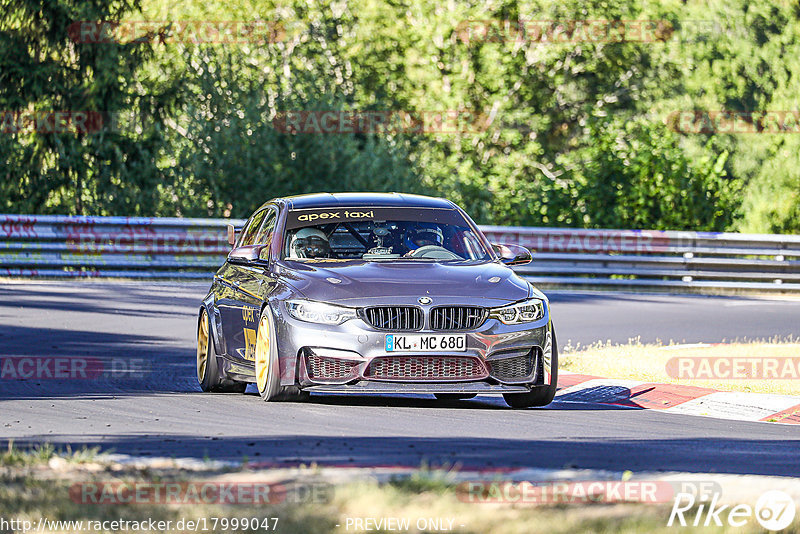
point(287, 360)
point(215, 323)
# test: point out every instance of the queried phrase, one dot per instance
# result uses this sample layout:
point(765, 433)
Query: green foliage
point(636, 176)
point(576, 132)
point(231, 157)
point(37, 455)
point(43, 70)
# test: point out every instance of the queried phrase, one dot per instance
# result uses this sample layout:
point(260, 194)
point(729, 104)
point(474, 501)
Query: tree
point(96, 162)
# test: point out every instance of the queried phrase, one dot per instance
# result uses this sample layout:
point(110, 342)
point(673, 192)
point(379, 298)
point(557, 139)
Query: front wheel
point(208, 374)
point(541, 396)
point(267, 367)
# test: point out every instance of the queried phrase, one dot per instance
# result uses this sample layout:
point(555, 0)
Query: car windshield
point(382, 234)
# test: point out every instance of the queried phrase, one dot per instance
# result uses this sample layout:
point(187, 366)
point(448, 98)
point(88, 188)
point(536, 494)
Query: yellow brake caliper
point(262, 353)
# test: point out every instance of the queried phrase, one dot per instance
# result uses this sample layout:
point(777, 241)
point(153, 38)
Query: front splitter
point(367, 386)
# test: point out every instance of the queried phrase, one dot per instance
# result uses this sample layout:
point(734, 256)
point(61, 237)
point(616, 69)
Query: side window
point(264, 235)
point(249, 234)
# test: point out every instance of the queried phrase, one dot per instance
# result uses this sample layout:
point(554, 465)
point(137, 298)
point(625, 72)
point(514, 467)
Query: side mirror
point(248, 253)
point(231, 234)
point(513, 254)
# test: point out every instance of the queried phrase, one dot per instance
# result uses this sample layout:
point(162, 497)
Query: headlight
point(319, 312)
point(522, 312)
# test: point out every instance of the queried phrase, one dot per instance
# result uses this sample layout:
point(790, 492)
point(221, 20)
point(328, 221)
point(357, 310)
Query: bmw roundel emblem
point(424, 300)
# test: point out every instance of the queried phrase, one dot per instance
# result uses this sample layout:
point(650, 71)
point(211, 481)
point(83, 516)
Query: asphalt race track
point(146, 401)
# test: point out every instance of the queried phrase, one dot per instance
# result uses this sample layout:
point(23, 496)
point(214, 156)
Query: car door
point(250, 283)
point(230, 278)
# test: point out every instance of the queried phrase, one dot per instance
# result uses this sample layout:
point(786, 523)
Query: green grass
point(30, 493)
point(42, 454)
point(648, 362)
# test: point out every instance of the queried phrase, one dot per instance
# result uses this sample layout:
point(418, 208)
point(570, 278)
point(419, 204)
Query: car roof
point(388, 200)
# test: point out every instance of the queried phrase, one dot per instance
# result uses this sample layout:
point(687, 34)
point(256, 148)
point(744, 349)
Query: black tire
point(541, 396)
point(208, 374)
point(454, 396)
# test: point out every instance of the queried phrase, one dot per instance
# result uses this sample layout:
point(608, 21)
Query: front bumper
point(352, 358)
point(367, 387)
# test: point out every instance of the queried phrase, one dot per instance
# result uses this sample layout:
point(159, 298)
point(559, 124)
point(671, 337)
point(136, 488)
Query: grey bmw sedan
point(358, 293)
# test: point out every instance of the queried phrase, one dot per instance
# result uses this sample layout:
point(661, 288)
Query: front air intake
point(322, 368)
point(413, 368)
point(395, 318)
point(445, 318)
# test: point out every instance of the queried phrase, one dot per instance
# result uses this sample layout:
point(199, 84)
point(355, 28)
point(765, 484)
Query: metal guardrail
point(122, 247)
point(696, 260)
point(140, 247)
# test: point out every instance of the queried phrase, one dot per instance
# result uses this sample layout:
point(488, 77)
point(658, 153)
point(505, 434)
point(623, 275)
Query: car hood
point(401, 282)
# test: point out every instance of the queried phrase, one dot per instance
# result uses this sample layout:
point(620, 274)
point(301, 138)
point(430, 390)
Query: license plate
point(425, 343)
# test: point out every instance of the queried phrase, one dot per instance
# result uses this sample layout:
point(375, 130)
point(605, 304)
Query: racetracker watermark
point(72, 368)
point(734, 368)
point(381, 122)
point(76, 122)
point(577, 31)
point(51, 121)
point(141, 526)
point(564, 31)
point(591, 241)
point(178, 31)
point(690, 122)
point(198, 492)
point(91, 240)
point(577, 492)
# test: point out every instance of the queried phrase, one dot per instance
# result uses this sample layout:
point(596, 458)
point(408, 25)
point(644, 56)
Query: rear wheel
point(454, 396)
point(208, 374)
point(541, 396)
